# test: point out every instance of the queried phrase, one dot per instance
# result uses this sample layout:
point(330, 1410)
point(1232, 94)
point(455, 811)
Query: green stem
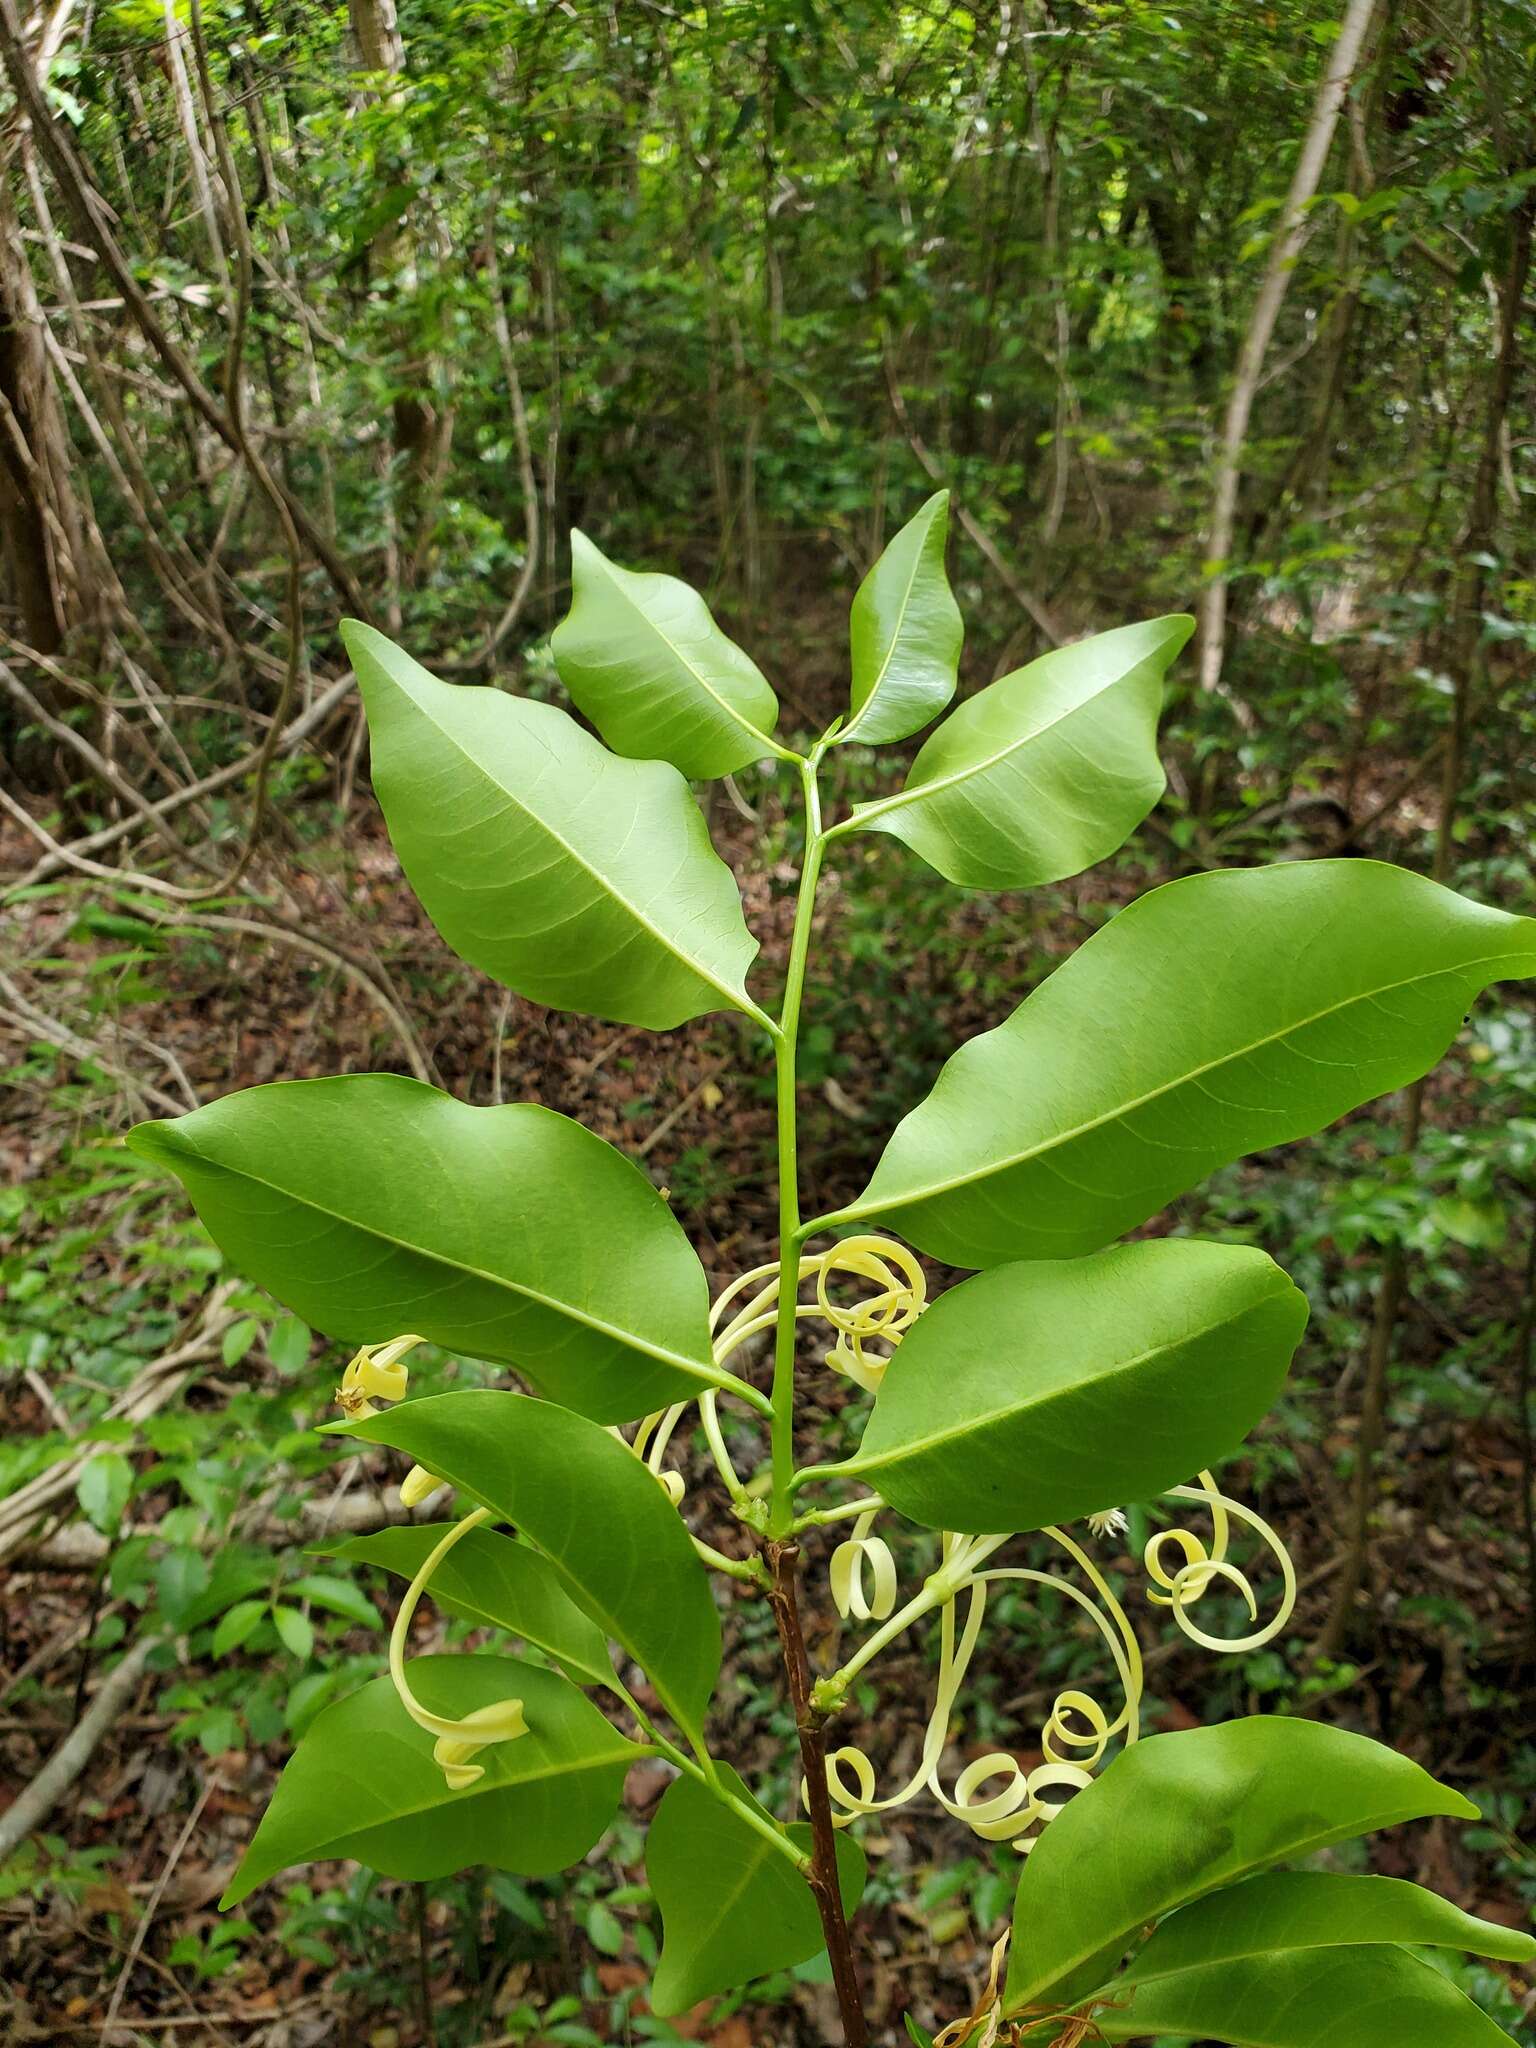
point(791, 1234)
point(933, 1593)
point(750, 1570)
point(702, 1769)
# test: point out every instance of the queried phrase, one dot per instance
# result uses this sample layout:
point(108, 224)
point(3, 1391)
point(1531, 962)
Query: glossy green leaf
point(1176, 1816)
point(732, 1907)
point(904, 633)
point(597, 1514)
point(1297, 1909)
point(644, 660)
point(374, 1205)
point(1347, 1998)
point(1217, 1016)
point(362, 1782)
point(1038, 1393)
point(491, 1579)
point(576, 878)
point(1044, 772)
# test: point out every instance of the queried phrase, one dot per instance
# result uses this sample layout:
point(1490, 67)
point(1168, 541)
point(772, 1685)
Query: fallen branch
point(28, 1813)
point(80, 1548)
point(157, 1384)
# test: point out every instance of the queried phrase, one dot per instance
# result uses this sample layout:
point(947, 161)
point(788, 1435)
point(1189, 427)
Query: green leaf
point(574, 877)
point(1298, 1909)
point(488, 1578)
point(362, 1782)
point(905, 633)
point(1365, 1997)
point(295, 1632)
point(374, 1205)
point(103, 1488)
point(237, 1625)
point(288, 1341)
point(732, 1907)
point(1039, 1393)
point(1044, 772)
point(238, 1339)
point(605, 1930)
point(181, 1581)
point(594, 1510)
point(1218, 1015)
point(643, 659)
point(1176, 1816)
point(339, 1596)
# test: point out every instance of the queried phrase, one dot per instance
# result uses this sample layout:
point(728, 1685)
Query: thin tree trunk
point(39, 529)
point(1290, 234)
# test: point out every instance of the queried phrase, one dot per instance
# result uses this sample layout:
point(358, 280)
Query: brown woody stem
point(783, 1560)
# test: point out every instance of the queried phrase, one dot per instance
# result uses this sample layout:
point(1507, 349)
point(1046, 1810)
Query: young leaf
point(338, 1596)
point(372, 1205)
point(644, 660)
point(237, 1625)
point(1175, 1816)
point(362, 1782)
point(904, 633)
point(1039, 1393)
point(1300, 1909)
point(295, 1631)
point(1367, 1997)
point(732, 1907)
point(1218, 1015)
point(1043, 773)
point(492, 1579)
point(102, 1490)
point(594, 1510)
point(574, 877)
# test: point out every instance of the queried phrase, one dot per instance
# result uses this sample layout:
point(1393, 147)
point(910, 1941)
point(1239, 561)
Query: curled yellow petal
point(375, 1373)
point(459, 1740)
point(857, 1553)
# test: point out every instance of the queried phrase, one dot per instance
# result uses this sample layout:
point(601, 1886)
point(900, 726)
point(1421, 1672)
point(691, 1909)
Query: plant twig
point(152, 1904)
point(783, 1560)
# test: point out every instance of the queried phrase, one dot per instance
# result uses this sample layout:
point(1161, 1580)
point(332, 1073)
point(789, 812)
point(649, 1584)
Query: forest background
point(310, 309)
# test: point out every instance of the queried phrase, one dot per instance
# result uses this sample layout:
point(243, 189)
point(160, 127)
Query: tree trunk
point(39, 529)
point(1290, 234)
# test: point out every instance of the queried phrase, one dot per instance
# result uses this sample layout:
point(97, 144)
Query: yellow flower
point(418, 1485)
point(458, 1741)
point(374, 1374)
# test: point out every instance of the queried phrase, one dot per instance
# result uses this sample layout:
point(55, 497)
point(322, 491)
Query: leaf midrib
point(880, 1459)
point(473, 1610)
point(1389, 1817)
point(740, 718)
point(864, 814)
point(736, 996)
point(759, 1857)
point(660, 1353)
point(926, 1193)
point(598, 1760)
